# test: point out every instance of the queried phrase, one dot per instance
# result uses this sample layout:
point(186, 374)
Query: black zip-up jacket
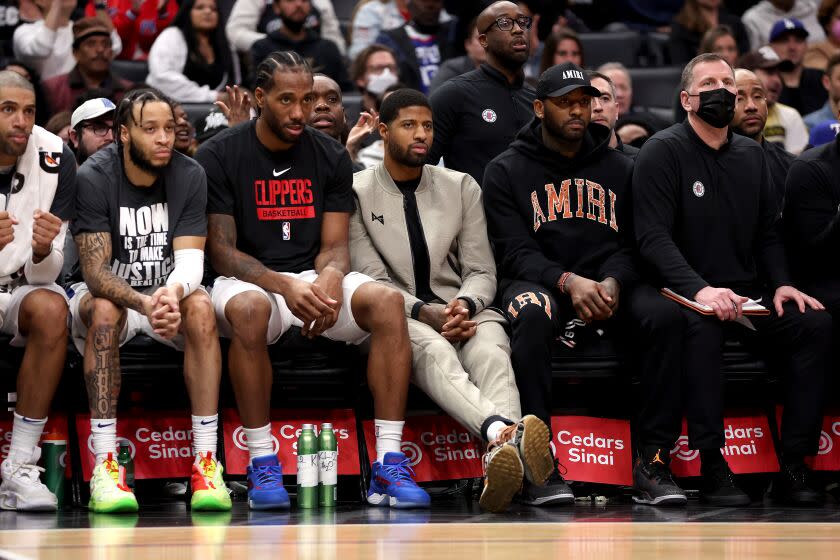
point(707, 217)
point(547, 214)
point(477, 115)
point(812, 215)
point(322, 54)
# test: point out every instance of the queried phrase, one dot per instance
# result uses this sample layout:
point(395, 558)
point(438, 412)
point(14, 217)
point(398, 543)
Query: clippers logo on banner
point(55, 430)
point(437, 447)
point(593, 449)
point(161, 444)
point(749, 448)
point(284, 436)
point(828, 454)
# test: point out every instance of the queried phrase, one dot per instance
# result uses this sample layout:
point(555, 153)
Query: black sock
point(710, 458)
point(791, 459)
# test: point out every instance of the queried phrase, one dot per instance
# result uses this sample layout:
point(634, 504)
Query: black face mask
point(717, 107)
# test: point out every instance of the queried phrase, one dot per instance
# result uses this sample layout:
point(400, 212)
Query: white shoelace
point(31, 473)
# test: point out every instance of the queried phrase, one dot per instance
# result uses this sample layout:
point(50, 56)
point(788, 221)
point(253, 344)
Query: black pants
point(537, 318)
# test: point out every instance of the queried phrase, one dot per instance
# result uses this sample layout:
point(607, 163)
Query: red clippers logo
point(284, 199)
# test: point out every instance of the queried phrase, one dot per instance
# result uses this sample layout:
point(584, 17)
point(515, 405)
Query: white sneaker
point(22, 489)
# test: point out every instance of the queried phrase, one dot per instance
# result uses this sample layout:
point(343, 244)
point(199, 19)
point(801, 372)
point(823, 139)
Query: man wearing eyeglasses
point(91, 127)
point(478, 114)
point(750, 117)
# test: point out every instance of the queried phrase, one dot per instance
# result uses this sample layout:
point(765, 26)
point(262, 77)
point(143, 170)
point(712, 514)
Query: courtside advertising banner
point(593, 449)
point(437, 448)
point(55, 430)
point(285, 429)
point(828, 455)
point(160, 443)
point(748, 449)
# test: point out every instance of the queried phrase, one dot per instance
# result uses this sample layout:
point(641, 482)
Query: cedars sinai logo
point(120, 441)
point(451, 446)
point(590, 449)
point(241, 442)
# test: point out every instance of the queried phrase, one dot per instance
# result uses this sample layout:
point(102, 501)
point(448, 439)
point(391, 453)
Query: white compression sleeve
point(47, 271)
point(188, 271)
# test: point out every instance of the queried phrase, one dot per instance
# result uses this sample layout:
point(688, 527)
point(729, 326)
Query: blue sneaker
point(392, 484)
point(265, 484)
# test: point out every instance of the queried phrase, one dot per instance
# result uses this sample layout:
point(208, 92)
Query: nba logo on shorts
point(287, 231)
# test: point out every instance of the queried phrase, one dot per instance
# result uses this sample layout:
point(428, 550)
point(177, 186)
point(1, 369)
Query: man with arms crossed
point(140, 230)
point(279, 211)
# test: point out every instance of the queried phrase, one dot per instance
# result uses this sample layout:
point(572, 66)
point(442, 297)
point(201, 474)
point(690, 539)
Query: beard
point(10, 149)
point(139, 159)
point(278, 130)
point(403, 156)
point(293, 25)
point(81, 153)
point(559, 131)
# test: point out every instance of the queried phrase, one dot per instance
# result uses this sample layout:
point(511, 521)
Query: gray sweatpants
point(470, 381)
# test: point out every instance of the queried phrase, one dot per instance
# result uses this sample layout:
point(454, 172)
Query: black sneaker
point(792, 486)
point(554, 492)
point(718, 486)
point(653, 484)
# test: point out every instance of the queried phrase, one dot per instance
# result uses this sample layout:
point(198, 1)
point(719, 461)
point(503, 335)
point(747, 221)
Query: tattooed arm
point(95, 261)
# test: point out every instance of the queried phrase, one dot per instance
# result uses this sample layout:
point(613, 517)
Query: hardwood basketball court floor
point(454, 529)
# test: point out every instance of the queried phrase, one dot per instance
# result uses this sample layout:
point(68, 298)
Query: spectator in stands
point(208, 126)
point(478, 114)
point(46, 45)
point(605, 111)
point(561, 46)
point(696, 18)
point(641, 124)
point(42, 113)
point(245, 23)
point(185, 141)
point(33, 308)
point(142, 275)
point(374, 153)
point(802, 86)
point(760, 18)
point(818, 54)
point(93, 53)
point(422, 44)
point(461, 65)
point(750, 118)
point(373, 71)
point(91, 128)
point(268, 286)
point(811, 220)
point(191, 61)
point(12, 14)
point(719, 258)
point(59, 124)
point(822, 133)
point(372, 17)
point(831, 83)
point(720, 40)
point(322, 54)
point(561, 270)
point(138, 23)
point(328, 116)
point(536, 10)
point(452, 330)
point(784, 124)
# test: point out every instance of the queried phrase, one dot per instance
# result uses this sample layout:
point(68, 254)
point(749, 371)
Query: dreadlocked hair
point(279, 60)
point(140, 96)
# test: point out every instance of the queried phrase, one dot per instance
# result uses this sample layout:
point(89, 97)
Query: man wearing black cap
point(707, 226)
point(478, 114)
point(803, 86)
point(557, 204)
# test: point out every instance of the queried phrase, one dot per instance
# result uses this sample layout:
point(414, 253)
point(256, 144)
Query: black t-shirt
point(277, 199)
point(142, 221)
point(9, 21)
point(810, 96)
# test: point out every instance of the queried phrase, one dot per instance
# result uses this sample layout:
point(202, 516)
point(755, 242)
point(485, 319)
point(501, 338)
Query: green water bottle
point(307, 467)
point(52, 453)
point(327, 466)
point(124, 459)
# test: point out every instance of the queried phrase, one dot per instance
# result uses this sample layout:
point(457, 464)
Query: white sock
point(494, 428)
point(104, 432)
point(259, 441)
point(204, 434)
point(26, 432)
point(388, 437)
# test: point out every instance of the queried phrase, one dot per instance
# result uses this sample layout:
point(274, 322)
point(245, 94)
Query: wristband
point(562, 283)
point(415, 310)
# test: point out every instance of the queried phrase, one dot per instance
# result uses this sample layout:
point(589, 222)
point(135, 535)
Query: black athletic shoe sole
point(725, 501)
point(668, 500)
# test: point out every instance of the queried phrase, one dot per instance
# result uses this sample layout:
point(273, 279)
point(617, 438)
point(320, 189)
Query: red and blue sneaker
point(265, 484)
point(392, 484)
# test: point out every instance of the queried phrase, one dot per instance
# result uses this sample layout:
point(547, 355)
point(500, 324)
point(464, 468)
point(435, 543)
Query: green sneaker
point(209, 492)
point(108, 490)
